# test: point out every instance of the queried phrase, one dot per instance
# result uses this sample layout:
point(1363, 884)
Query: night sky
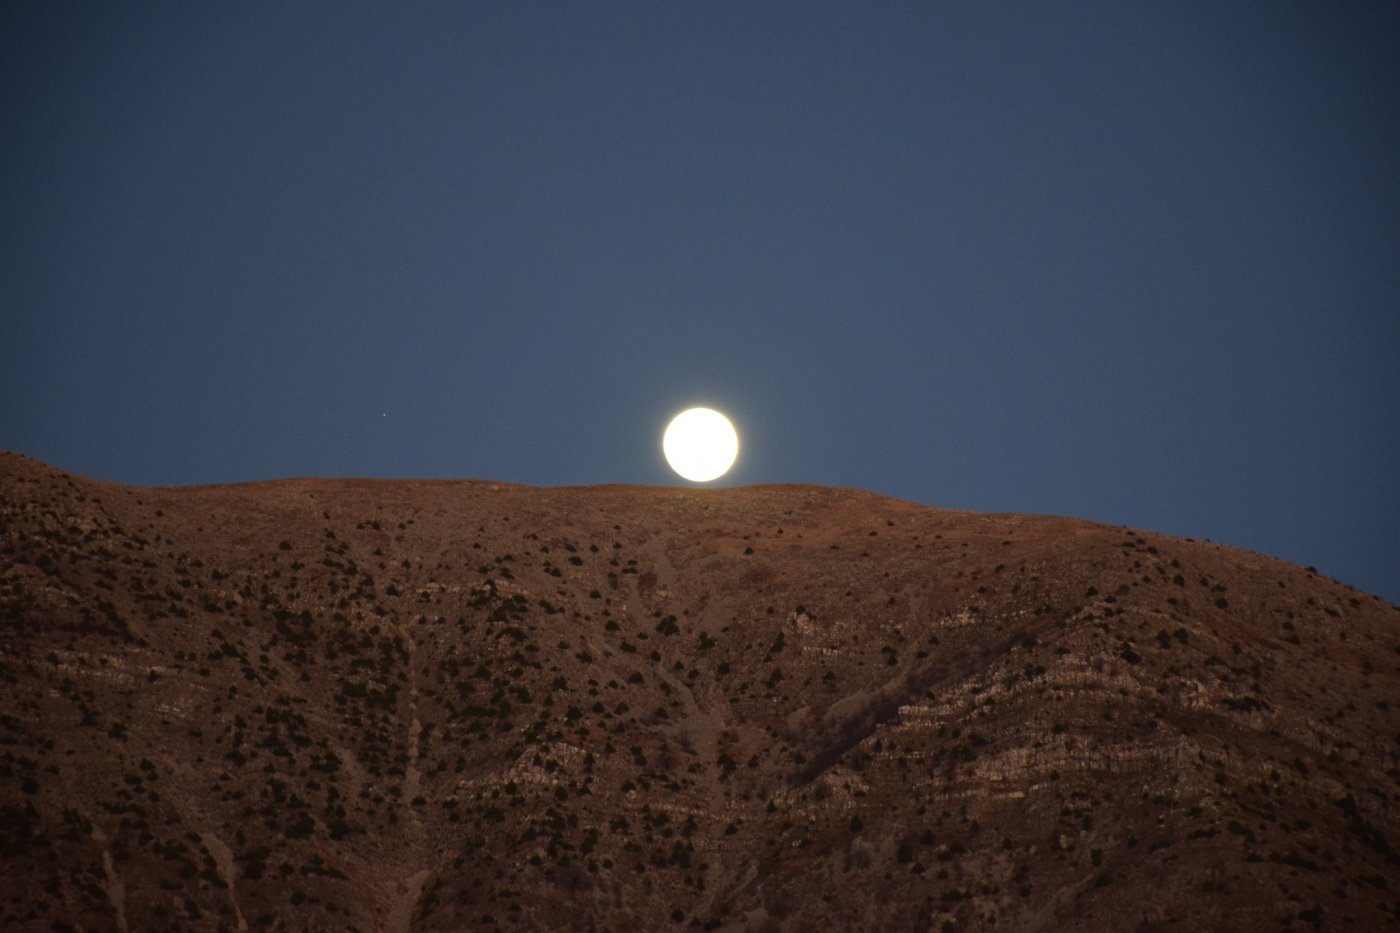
point(1133, 263)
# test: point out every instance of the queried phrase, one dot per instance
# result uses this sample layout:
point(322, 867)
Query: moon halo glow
point(700, 444)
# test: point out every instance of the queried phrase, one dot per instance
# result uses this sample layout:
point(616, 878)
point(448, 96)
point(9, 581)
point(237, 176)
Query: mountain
point(411, 705)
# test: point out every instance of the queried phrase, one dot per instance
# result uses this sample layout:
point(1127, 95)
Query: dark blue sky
point(1134, 263)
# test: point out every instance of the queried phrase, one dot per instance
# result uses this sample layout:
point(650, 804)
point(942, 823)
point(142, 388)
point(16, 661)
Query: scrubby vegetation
point(454, 705)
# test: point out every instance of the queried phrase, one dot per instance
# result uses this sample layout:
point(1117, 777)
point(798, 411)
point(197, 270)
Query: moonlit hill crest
point(448, 705)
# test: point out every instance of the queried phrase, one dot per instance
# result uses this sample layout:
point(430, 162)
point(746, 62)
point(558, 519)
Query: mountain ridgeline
point(448, 705)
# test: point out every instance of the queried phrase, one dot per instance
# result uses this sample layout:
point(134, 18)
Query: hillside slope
point(335, 704)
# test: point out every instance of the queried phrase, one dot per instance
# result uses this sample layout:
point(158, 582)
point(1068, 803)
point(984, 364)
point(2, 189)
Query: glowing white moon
point(700, 444)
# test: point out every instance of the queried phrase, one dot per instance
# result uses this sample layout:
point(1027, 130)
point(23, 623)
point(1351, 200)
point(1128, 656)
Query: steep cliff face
point(326, 704)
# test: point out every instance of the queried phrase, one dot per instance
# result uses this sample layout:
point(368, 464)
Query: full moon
point(700, 444)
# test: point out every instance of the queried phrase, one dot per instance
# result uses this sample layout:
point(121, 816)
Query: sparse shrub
point(255, 862)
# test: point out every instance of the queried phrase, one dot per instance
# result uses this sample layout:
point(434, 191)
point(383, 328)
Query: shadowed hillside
point(336, 704)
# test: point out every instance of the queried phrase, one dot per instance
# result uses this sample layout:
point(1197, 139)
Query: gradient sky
point(1137, 263)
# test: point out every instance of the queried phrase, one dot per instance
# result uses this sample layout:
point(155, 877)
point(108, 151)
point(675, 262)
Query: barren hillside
point(398, 705)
